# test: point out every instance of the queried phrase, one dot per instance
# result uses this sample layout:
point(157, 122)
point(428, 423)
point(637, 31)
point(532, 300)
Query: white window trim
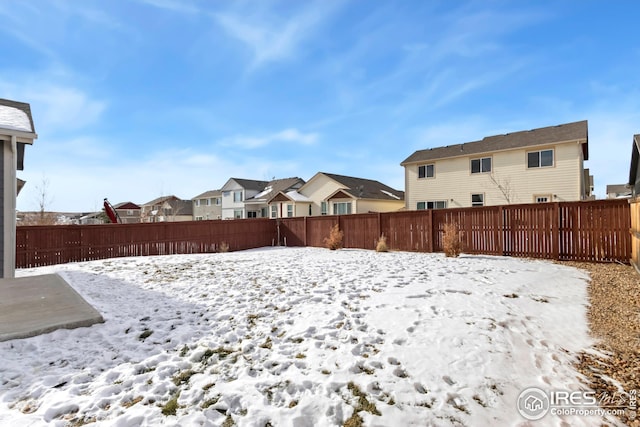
point(481, 203)
point(480, 159)
point(434, 203)
point(549, 198)
point(553, 158)
point(426, 175)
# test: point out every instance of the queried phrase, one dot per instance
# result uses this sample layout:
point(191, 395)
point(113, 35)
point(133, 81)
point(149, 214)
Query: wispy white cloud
point(272, 38)
point(63, 107)
point(56, 106)
point(290, 135)
point(182, 6)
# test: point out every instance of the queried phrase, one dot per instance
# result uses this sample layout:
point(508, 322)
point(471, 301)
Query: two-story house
point(128, 212)
point(234, 192)
point(207, 205)
point(539, 165)
point(331, 194)
point(167, 209)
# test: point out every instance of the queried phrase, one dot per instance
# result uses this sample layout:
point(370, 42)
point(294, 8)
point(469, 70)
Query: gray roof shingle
point(367, 188)
point(547, 135)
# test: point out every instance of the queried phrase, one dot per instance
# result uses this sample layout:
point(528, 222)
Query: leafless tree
point(43, 200)
point(505, 187)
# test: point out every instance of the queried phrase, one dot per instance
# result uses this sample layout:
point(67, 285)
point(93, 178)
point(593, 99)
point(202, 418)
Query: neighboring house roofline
point(247, 184)
point(273, 187)
point(208, 194)
point(564, 133)
point(362, 188)
point(290, 196)
point(127, 205)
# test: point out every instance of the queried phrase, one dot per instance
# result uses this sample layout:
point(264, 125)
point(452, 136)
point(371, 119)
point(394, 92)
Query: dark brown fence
point(596, 231)
point(571, 231)
point(48, 245)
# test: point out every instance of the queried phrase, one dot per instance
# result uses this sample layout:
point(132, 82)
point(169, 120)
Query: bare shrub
point(381, 246)
point(451, 240)
point(223, 247)
point(334, 241)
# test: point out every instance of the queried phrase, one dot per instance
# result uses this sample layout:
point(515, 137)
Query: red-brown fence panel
point(595, 231)
point(408, 230)
point(360, 231)
point(531, 230)
point(292, 231)
point(480, 229)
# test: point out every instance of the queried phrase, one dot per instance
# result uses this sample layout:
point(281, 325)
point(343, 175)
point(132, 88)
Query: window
point(481, 165)
point(252, 214)
point(130, 212)
point(437, 204)
point(237, 196)
point(274, 211)
point(477, 200)
point(208, 202)
point(540, 159)
point(237, 213)
point(198, 218)
point(263, 212)
point(289, 211)
point(323, 208)
point(426, 171)
point(310, 213)
point(342, 208)
point(197, 202)
point(542, 198)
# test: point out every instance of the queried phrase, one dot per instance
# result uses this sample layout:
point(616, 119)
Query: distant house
point(167, 209)
point(618, 191)
point(16, 131)
point(207, 205)
point(263, 205)
point(128, 212)
point(535, 166)
point(234, 192)
point(634, 172)
point(331, 194)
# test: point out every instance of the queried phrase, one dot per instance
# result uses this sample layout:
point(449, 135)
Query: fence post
point(500, 230)
point(555, 231)
point(434, 230)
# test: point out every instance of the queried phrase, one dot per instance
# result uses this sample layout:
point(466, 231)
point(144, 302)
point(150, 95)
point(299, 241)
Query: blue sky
point(137, 99)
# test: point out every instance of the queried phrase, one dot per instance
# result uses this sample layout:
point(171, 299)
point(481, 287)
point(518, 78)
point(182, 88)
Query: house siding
point(318, 190)
point(454, 182)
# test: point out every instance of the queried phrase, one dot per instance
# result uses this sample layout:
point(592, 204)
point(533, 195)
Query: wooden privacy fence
point(635, 232)
point(59, 244)
point(569, 231)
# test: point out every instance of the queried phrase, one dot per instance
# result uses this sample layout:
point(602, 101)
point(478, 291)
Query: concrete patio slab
point(35, 305)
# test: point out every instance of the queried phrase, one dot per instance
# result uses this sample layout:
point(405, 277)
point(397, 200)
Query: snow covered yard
point(302, 337)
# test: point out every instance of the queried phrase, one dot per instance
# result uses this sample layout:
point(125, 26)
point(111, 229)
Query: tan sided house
point(535, 166)
point(331, 194)
point(207, 205)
